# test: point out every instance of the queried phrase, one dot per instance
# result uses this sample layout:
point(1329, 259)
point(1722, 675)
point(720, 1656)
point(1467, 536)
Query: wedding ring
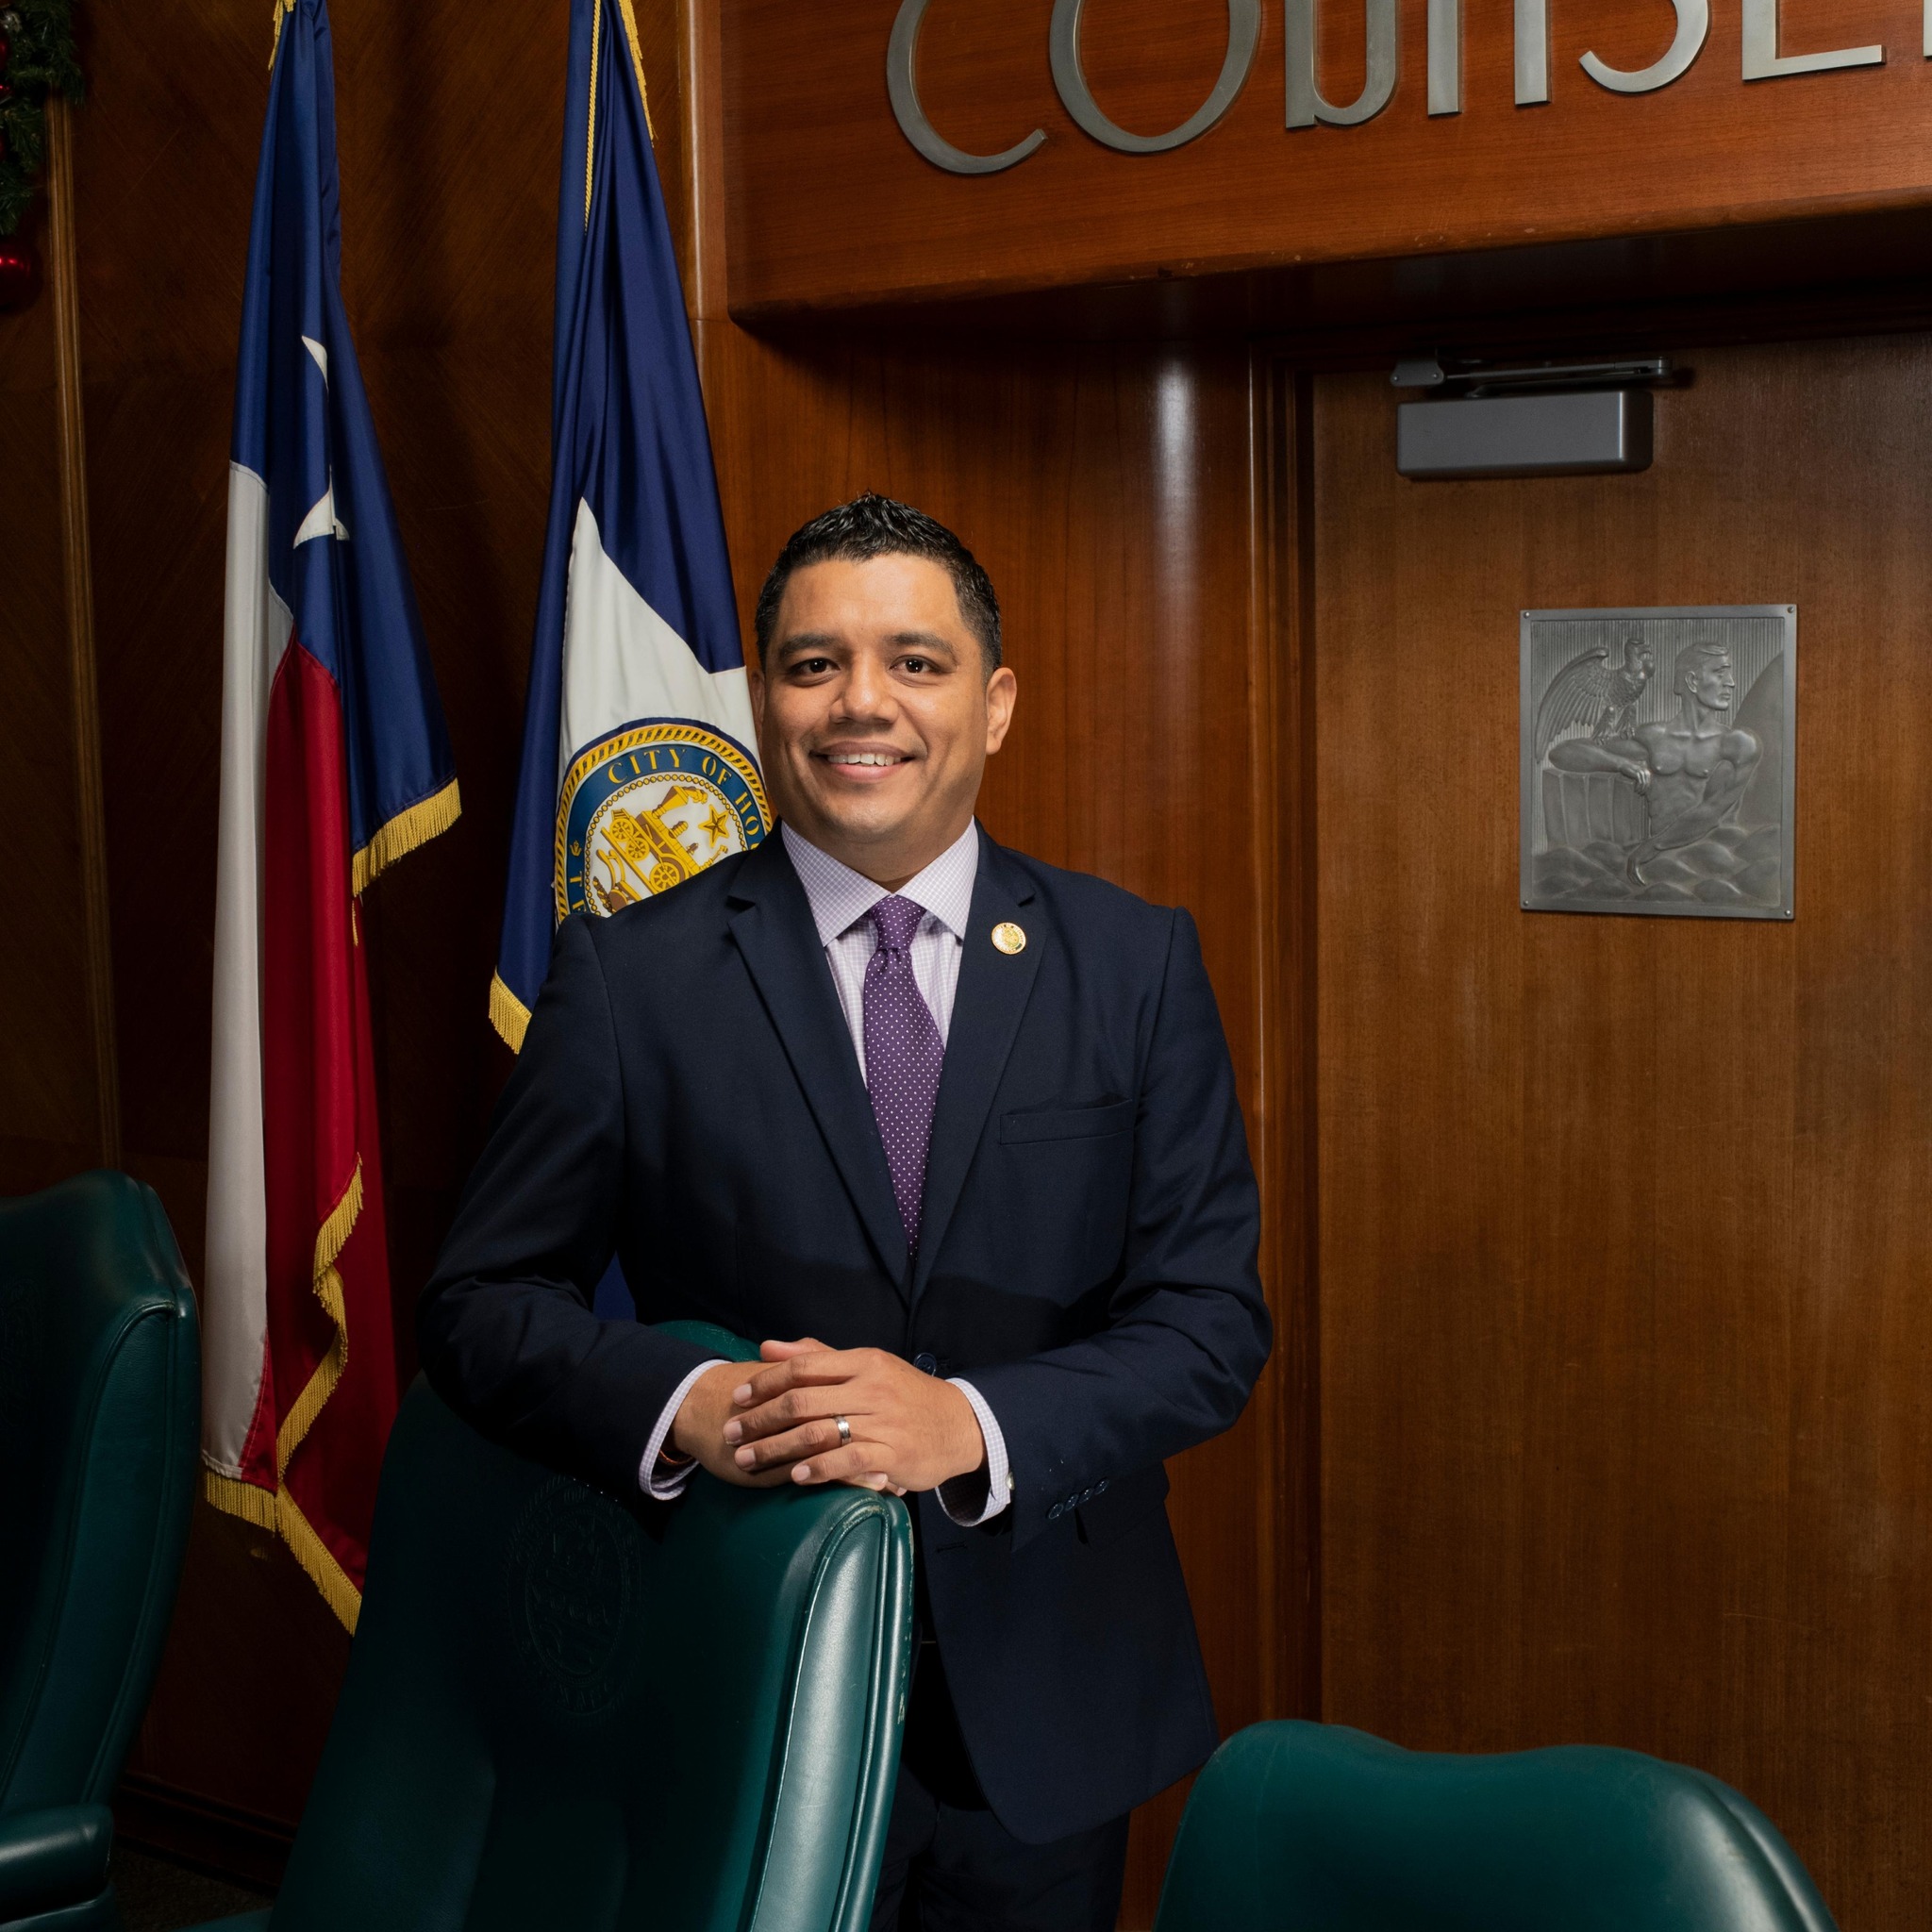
point(845, 1430)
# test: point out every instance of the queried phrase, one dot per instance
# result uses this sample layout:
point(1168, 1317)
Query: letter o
point(1243, 30)
point(903, 95)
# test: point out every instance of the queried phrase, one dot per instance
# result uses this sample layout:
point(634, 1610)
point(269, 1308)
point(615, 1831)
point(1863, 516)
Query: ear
point(1002, 694)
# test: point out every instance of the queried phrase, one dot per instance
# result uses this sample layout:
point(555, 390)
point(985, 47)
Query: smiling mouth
point(865, 759)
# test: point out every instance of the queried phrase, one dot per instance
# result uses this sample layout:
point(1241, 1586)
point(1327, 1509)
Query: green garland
point(41, 60)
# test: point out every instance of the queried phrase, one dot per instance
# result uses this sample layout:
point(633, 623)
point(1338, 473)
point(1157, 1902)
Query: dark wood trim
point(64, 279)
point(1281, 712)
point(203, 1834)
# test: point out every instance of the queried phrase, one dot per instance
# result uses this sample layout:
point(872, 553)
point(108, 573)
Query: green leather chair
point(100, 1405)
point(1303, 1827)
point(571, 1713)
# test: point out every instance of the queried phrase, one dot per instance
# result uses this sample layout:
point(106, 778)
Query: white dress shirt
point(841, 901)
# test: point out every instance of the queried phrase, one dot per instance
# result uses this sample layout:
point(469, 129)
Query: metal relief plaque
point(1658, 753)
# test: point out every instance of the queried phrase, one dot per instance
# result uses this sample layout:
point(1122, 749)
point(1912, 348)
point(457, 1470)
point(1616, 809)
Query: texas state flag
point(334, 763)
point(638, 764)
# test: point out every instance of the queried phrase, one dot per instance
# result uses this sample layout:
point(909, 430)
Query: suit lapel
point(987, 1006)
point(772, 922)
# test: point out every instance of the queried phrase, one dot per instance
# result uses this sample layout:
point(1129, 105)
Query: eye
point(915, 664)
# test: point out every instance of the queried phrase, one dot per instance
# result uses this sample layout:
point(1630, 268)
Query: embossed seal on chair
point(574, 1589)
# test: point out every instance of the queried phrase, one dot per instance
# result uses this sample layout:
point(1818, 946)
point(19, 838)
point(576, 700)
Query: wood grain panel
point(64, 289)
point(46, 1071)
point(1626, 1429)
point(1112, 498)
point(830, 204)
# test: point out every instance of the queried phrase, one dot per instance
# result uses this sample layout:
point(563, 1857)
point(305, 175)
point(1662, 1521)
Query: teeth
point(863, 757)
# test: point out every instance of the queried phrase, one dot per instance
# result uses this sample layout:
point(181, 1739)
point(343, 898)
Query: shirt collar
point(841, 897)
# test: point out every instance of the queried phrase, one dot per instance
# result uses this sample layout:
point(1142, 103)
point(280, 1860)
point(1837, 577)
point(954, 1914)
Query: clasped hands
point(761, 1427)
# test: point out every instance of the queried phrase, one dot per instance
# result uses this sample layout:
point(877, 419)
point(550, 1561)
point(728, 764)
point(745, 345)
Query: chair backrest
point(1299, 1827)
point(100, 1403)
point(576, 1713)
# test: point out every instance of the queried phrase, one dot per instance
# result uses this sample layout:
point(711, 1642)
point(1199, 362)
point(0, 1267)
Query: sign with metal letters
point(1658, 752)
point(1306, 103)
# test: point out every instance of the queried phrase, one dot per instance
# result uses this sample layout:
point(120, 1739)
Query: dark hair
point(870, 527)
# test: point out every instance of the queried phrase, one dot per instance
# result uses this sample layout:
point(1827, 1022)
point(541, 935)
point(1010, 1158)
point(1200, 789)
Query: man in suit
point(958, 1132)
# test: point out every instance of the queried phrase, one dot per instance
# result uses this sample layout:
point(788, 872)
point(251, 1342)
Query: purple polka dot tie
point(902, 1054)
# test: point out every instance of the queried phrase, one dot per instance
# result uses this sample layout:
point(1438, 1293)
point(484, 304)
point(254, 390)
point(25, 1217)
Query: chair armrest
point(53, 1858)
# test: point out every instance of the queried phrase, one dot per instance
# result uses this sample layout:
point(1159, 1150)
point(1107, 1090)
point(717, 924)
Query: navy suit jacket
point(687, 1098)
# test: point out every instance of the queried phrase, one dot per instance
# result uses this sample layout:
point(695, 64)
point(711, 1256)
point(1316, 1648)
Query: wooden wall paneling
point(1112, 497)
point(63, 279)
point(48, 1127)
point(1283, 1112)
point(1625, 1422)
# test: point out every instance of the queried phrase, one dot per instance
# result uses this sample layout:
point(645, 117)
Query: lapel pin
point(1009, 937)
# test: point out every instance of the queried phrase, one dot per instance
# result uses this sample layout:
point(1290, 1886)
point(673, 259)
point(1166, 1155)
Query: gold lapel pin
point(1009, 937)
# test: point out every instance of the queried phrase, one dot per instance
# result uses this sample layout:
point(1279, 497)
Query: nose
point(865, 696)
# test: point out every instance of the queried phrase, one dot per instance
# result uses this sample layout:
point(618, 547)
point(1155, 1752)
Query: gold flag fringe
point(413, 827)
point(636, 61)
point(508, 1014)
point(279, 1512)
point(283, 10)
point(329, 1241)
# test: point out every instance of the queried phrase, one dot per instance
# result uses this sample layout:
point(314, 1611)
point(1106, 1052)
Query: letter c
point(1243, 29)
point(911, 116)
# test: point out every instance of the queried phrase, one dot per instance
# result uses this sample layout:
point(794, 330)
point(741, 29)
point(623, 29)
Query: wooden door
point(1626, 1276)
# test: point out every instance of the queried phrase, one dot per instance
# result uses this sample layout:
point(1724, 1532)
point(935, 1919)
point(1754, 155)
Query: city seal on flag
point(649, 806)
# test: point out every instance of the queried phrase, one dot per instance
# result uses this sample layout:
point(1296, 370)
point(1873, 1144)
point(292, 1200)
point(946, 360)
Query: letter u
point(1304, 103)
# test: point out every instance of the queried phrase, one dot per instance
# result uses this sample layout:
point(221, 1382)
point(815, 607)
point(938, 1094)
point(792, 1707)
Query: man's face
point(876, 716)
point(1715, 682)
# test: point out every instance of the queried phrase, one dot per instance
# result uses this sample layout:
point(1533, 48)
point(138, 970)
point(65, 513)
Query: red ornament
point(20, 273)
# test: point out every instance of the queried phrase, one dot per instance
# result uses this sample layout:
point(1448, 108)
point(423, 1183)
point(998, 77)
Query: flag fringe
point(277, 1510)
point(315, 1556)
point(328, 1372)
point(234, 1497)
point(333, 1236)
point(636, 61)
point(330, 1239)
point(508, 1014)
point(280, 1514)
point(414, 825)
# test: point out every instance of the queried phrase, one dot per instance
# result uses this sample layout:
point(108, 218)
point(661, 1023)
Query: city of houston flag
point(638, 764)
point(334, 763)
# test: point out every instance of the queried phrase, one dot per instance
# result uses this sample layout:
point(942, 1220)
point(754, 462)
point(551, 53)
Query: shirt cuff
point(666, 1486)
point(971, 1500)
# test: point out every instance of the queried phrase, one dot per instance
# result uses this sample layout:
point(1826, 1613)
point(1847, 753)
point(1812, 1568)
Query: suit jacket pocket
point(1068, 1122)
point(1123, 1506)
